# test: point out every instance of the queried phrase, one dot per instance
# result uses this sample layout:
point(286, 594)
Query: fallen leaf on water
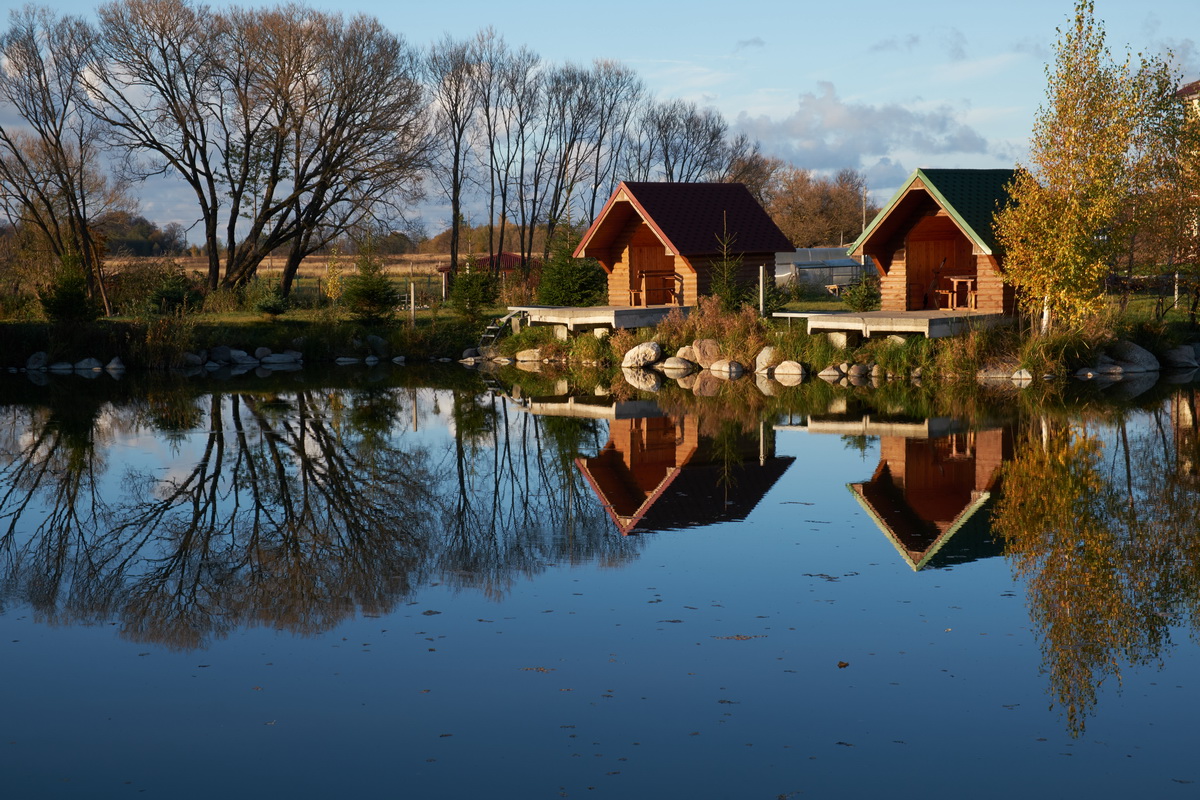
point(843, 664)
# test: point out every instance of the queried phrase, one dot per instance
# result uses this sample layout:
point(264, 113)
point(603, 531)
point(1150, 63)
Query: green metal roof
point(970, 196)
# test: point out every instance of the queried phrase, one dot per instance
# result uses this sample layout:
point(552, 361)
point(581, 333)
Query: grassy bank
point(161, 342)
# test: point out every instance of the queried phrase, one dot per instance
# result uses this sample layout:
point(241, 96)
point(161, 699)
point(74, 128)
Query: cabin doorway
point(928, 261)
point(652, 277)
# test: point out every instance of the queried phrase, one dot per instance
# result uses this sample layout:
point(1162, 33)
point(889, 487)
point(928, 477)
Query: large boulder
point(789, 373)
point(674, 367)
point(727, 369)
point(642, 355)
point(1133, 358)
point(89, 365)
point(1182, 357)
point(378, 346)
point(526, 356)
point(220, 354)
point(708, 352)
point(37, 361)
point(767, 357)
point(687, 352)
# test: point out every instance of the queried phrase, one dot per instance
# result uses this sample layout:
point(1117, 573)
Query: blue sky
point(879, 86)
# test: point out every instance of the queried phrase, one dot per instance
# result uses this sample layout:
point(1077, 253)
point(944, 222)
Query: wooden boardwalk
point(930, 324)
point(571, 319)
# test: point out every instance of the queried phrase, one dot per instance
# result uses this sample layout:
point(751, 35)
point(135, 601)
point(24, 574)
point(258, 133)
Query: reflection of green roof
point(891, 520)
point(970, 196)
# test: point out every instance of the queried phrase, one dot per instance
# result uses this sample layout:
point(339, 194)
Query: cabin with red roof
point(934, 245)
point(657, 241)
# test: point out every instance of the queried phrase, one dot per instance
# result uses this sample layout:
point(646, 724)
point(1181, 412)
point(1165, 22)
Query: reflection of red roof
point(655, 476)
point(689, 218)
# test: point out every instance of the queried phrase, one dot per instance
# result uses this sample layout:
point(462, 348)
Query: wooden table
point(960, 284)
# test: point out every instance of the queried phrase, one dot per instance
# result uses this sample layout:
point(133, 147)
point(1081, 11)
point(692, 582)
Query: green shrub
point(368, 294)
point(273, 303)
point(570, 281)
point(864, 295)
point(472, 293)
point(66, 300)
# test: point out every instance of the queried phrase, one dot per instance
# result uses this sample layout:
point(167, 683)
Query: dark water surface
point(404, 585)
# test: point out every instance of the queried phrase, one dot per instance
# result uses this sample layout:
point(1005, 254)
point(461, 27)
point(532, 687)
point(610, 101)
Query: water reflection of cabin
point(930, 495)
point(661, 473)
point(932, 490)
point(657, 241)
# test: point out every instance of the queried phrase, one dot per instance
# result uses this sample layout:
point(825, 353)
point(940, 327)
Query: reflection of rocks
point(688, 381)
point(727, 369)
point(765, 385)
point(1133, 385)
point(706, 385)
point(643, 379)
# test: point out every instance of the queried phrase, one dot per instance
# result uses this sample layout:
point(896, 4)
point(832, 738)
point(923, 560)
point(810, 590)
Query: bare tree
point(290, 125)
point(450, 72)
point(619, 92)
point(50, 175)
point(678, 142)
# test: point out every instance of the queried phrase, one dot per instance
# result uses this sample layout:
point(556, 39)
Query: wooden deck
point(930, 324)
point(570, 319)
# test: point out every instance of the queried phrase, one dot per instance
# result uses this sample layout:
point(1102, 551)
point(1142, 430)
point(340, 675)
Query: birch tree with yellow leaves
point(1093, 151)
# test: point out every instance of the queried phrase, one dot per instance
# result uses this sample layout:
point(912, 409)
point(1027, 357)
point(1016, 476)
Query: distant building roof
point(690, 218)
point(1189, 89)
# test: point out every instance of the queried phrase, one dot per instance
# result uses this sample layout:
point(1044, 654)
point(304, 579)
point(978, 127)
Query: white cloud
point(826, 132)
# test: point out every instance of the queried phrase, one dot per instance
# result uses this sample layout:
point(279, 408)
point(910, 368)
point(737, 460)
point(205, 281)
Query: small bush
point(472, 294)
point(570, 281)
point(272, 304)
point(863, 296)
point(368, 294)
point(66, 300)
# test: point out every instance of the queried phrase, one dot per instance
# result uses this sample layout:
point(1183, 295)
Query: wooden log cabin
point(657, 241)
point(934, 245)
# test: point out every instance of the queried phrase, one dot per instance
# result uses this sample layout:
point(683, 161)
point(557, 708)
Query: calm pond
point(427, 583)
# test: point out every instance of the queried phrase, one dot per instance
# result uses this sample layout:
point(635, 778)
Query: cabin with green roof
point(934, 245)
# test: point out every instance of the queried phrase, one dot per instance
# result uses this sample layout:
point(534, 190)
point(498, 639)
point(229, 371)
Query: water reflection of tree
point(300, 508)
point(1101, 522)
point(521, 505)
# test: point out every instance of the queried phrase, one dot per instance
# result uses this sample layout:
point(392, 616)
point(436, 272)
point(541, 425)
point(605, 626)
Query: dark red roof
point(1188, 89)
point(691, 217)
